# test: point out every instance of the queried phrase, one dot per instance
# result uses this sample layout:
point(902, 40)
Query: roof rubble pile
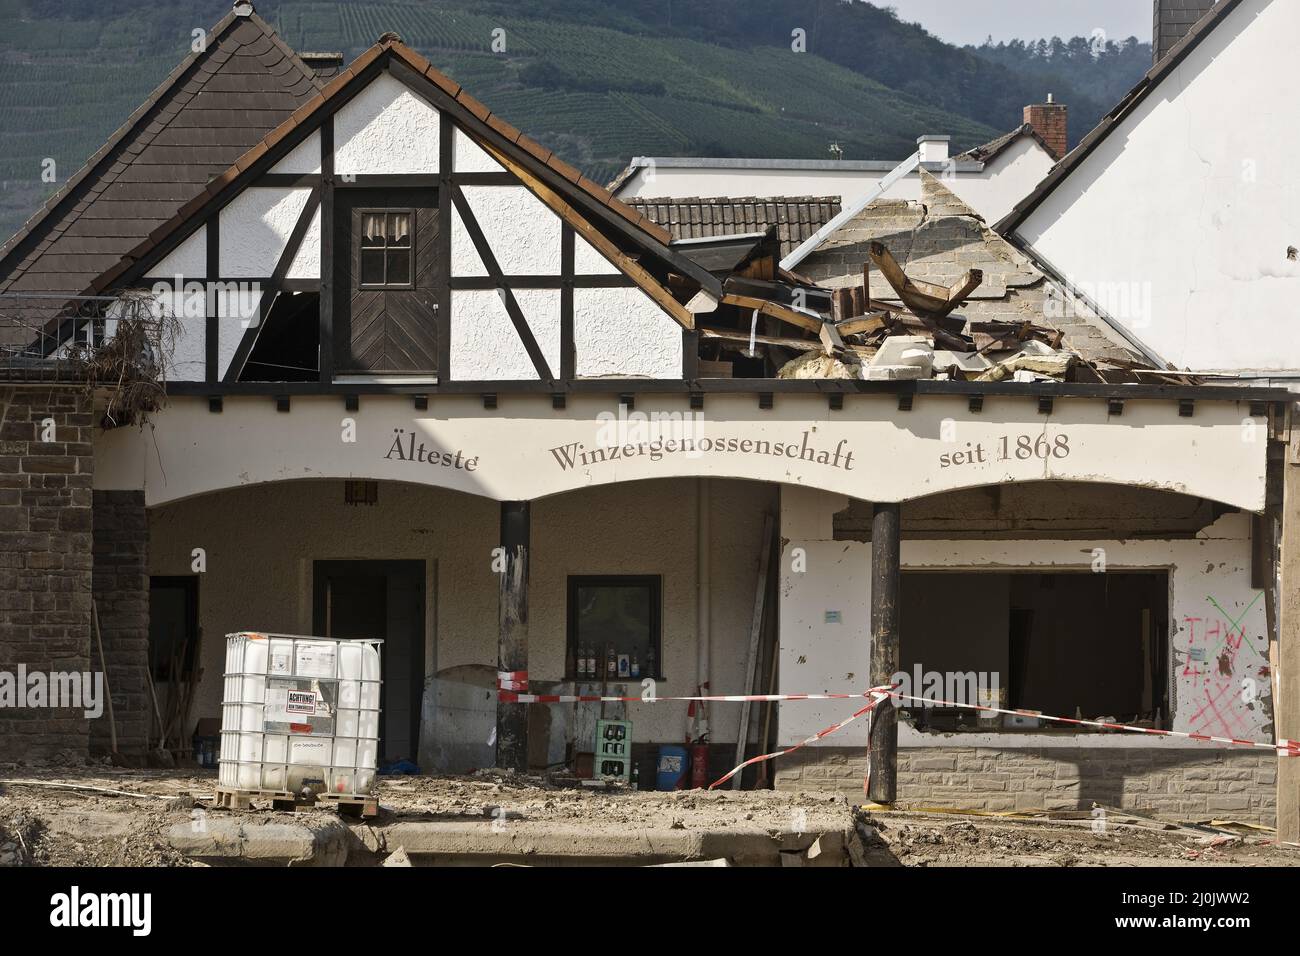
point(868, 339)
point(966, 306)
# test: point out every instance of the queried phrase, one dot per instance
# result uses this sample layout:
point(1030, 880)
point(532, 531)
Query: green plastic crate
point(613, 750)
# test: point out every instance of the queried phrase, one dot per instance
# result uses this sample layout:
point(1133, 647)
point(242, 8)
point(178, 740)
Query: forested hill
point(596, 80)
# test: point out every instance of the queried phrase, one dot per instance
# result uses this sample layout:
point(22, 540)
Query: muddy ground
point(44, 821)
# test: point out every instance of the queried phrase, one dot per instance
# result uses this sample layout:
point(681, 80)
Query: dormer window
point(387, 249)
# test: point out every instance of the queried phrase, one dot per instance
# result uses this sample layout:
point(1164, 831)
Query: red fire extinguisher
point(697, 739)
point(700, 764)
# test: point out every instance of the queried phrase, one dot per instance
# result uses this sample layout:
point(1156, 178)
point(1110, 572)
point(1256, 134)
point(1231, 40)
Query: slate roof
point(796, 218)
point(1147, 85)
point(211, 108)
point(1171, 21)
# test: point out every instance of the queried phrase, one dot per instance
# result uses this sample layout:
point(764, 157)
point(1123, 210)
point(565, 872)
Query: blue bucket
point(671, 767)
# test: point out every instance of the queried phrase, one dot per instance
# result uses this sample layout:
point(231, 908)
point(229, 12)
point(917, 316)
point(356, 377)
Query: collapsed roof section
point(906, 290)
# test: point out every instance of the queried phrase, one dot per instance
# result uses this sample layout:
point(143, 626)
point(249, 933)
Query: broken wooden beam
point(871, 322)
point(923, 297)
point(784, 313)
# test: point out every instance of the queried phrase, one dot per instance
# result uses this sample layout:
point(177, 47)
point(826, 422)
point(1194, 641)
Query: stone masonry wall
point(1176, 784)
point(121, 588)
point(45, 558)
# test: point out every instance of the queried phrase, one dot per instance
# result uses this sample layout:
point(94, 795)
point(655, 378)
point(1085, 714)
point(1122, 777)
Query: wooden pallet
point(347, 804)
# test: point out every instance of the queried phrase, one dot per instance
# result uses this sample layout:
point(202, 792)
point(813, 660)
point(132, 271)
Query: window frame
point(654, 582)
point(359, 214)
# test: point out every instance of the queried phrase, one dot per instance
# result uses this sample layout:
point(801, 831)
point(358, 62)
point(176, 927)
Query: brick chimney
point(1050, 120)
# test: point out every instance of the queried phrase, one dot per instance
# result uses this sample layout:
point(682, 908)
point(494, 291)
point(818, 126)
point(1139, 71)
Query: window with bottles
point(387, 249)
point(614, 628)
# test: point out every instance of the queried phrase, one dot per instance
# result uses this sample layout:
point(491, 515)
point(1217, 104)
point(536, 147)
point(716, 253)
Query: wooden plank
point(776, 311)
point(863, 323)
point(830, 339)
point(327, 263)
point(755, 630)
point(636, 272)
point(742, 338)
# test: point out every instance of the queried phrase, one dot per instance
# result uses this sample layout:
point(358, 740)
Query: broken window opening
point(288, 345)
point(1066, 644)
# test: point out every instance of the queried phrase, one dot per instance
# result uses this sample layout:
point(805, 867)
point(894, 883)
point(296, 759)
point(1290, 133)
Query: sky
point(971, 21)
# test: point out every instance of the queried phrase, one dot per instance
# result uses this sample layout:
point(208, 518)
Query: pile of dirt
point(926, 840)
point(106, 816)
point(531, 797)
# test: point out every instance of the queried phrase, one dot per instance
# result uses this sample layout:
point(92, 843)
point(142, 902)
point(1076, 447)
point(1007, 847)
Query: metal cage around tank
point(300, 714)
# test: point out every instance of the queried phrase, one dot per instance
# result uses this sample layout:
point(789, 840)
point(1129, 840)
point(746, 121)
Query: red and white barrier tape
point(876, 694)
point(1284, 748)
point(511, 681)
point(507, 697)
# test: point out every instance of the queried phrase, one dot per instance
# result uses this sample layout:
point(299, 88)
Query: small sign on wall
point(833, 617)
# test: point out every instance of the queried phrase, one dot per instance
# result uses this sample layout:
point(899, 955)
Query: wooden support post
point(1286, 709)
point(512, 644)
point(882, 766)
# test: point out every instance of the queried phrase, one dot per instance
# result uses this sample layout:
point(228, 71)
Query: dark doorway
point(380, 599)
point(173, 626)
point(386, 273)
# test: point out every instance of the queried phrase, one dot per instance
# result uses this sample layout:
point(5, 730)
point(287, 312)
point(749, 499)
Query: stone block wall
point(45, 558)
point(1176, 784)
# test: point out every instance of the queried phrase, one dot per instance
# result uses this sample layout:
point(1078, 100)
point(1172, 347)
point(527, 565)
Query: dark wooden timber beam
point(882, 749)
point(512, 642)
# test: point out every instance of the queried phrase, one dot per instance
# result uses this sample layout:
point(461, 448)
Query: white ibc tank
point(300, 713)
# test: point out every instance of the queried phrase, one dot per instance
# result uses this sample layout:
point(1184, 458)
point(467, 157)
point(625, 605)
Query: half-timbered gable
point(394, 231)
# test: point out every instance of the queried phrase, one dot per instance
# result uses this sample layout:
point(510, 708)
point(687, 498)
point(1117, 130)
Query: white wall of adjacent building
point(1183, 216)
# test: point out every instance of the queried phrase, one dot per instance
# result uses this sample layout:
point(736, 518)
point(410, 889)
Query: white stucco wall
point(386, 128)
point(624, 332)
point(523, 234)
point(1193, 201)
point(255, 229)
point(303, 158)
point(587, 261)
point(189, 259)
point(306, 261)
point(187, 361)
point(821, 657)
point(469, 157)
point(484, 343)
point(260, 544)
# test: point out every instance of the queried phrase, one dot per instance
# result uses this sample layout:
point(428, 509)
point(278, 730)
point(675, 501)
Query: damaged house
point(381, 365)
